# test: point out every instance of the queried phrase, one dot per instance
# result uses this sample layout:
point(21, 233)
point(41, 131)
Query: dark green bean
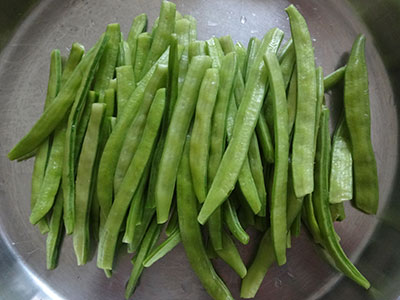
point(337, 212)
point(252, 49)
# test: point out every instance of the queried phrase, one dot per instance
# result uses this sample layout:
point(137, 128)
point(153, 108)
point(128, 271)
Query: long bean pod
point(358, 120)
point(303, 139)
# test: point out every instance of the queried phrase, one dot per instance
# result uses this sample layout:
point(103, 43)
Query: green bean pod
point(321, 205)
point(162, 35)
point(233, 223)
point(109, 58)
point(134, 134)
point(332, 79)
point(358, 120)
point(144, 41)
point(281, 135)
point(125, 86)
point(182, 30)
point(69, 168)
point(191, 234)
point(200, 142)
point(84, 183)
point(152, 234)
point(304, 129)
point(41, 157)
point(193, 27)
point(179, 126)
point(139, 24)
point(124, 54)
point(54, 236)
point(170, 243)
point(197, 48)
point(245, 124)
point(252, 49)
point(214, 50)
point(129, 185)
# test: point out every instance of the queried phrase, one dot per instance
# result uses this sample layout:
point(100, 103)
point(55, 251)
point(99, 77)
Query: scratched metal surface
point(24, 61)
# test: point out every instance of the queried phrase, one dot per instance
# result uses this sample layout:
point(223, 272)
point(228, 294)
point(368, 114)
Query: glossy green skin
point(112, 149)
point(172, 223)
point(134, 134)
point(304, 131)
point(201, 132)
point(245, 124)
point(177, 130)
point(69, 167)
point(170, 243)
point(54, 236)
point(161, 38)
point(191, 234)
point(332, 79)
point(278, 203)
point(319, 75)
point(129, 185)
point(41, 157)
point(227, 44)
point(53, 115)
point(144, 41)
point(321, 205)
point(84, 183)
point(152, 234)
point(125, 86)
point(109, 58)
point(139, 25)
point(341, 172)
point(358, 120)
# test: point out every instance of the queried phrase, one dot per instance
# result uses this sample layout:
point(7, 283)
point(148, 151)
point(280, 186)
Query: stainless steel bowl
point(30, 29)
